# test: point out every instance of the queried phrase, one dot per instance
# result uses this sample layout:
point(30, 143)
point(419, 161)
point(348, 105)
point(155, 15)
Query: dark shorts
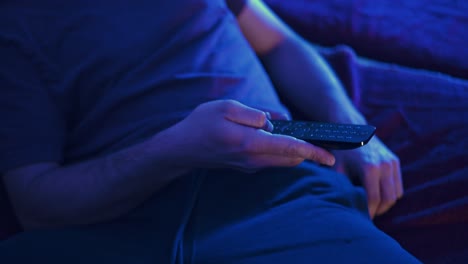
point(301, 215)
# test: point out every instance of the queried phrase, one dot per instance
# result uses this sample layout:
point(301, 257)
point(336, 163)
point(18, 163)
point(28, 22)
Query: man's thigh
point(279, 216)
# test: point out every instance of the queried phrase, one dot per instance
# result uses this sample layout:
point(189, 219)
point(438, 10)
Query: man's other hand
point(379, 171)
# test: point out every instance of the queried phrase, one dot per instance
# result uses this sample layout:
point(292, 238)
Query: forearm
point(100, 189)
point(296, 69)
point(304, 79)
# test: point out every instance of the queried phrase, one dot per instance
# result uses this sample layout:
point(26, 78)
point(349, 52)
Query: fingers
point(274, 115)
point(371, 183)
point(244, 115)
point(268, 126)
point(290, 147)
point(379, 171)
point(398, 181)
point(381, 187)
point(388, 195)
point(268, 144)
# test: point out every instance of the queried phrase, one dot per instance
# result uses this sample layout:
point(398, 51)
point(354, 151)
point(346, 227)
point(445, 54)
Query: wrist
point(173, 149)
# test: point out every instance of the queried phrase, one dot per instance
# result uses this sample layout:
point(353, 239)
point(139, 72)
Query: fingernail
point(268, 126)
point(268, 115)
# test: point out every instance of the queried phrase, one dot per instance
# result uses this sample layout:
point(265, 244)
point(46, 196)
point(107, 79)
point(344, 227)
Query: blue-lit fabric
point(80, 79)
point(282, 216)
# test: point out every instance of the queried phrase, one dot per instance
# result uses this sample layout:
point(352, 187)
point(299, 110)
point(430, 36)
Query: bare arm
point(297, 70)
point(50, 195)
point(303, 78)
point(223, 134)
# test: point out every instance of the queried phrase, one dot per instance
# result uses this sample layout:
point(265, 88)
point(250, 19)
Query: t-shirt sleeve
point(236, 6)
point(31, 127)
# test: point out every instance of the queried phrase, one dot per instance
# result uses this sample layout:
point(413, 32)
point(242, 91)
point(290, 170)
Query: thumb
point(277, 115)
point(248, 116)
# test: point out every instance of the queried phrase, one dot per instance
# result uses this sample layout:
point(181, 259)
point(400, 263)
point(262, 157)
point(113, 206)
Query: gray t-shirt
point(80, 79)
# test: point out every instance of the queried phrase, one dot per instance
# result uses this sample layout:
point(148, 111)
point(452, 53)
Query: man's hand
point(228, 134)
point(378, 170)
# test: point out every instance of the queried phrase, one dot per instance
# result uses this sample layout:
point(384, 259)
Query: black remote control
point(326, 135)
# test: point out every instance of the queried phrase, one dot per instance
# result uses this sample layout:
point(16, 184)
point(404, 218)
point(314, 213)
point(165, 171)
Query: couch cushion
point(418, 33)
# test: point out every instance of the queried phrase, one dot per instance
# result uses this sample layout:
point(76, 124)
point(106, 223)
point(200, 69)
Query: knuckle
point(386, 166)
point(370, 168)
point(291, 149)
point(228, 106)
point(314, 155)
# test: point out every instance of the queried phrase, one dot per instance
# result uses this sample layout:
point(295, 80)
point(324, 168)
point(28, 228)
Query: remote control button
point(328, 135)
